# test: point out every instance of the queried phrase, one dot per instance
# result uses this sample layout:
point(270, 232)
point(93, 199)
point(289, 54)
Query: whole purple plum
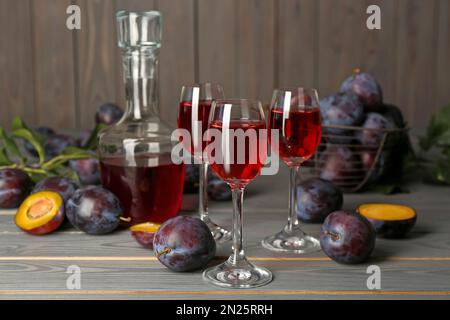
point(347, 237)
point(317, 198)
point(184, 243)
point(342, 109)
point(64, 186)
point(88, 170)
point(56, 143)
point(340, 165)
point(108, 113)
point(94, 210)
point(366, 87)
point(374, 129)
point(15, 186)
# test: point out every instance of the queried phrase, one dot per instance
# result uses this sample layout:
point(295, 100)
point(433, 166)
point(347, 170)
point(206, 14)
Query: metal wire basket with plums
point(353, 157)
point(364, 140)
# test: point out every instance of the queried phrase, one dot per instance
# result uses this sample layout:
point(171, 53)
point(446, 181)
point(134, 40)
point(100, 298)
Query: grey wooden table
point(114, 266)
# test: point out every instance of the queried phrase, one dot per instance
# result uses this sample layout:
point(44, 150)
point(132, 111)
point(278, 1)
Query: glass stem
point(203, 192)
point(238, 249)
point(292, 218)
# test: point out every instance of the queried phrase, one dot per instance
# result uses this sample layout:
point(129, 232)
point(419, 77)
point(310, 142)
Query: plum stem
point(166, 250)
point(356, 71)
point(334, 236)
point(128, 219)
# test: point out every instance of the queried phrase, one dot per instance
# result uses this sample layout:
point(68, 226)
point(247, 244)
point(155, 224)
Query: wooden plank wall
point(53, 76)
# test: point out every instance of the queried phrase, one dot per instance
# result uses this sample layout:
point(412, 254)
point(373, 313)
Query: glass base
point(242, 275)
point(219, 234)
point(294, 241)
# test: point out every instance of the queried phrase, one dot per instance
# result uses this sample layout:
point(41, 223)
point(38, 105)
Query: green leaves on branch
point(11, 155)
point(436, 145)
point(69, 153)
point(10, 146)
point(27, 135)
point(4, 159)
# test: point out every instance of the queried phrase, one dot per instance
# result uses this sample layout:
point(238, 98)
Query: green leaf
point(69, 153)
point(63, 171)
point(438, 126)
point(75, 151)
point(18, 123)
point(11, 146)
point(31, 138)
point(92, 142)
point(4, 159)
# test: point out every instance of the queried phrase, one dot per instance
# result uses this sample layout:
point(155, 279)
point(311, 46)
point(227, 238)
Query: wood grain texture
point(54, 65)
point(256, 42)
point(217, 46)
point(53, 76)
point(115, 266)
point(296, 43)
point(97, 69)
point(341, 25)
point(16, 62)
point(380, 48)
point(416, 57)
point(177, 62)
point(443, 55)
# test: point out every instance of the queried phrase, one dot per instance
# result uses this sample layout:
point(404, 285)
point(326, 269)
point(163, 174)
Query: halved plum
point(389, 220)
point(40, 213)
point(144, 233)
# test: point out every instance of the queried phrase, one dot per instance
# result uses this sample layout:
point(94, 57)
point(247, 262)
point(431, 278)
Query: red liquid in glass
point(255, 153)
point(301, 135)
point(147, 193)
point(185, 117)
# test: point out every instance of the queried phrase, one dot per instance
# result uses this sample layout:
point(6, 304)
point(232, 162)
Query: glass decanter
point(135, 153)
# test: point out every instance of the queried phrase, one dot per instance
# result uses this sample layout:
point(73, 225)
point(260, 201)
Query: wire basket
point(350, 165)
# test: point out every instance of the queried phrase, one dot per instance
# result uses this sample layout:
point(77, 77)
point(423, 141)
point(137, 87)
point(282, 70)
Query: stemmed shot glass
point(237, 152)
point(193, 115)
point(295, 113)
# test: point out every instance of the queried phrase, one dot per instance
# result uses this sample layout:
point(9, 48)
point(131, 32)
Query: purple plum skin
point(88, 170)
point(56, 143)
point(393, 229)
point(347, 238)
point(374, 125)
point(189, 241)
point(340, 164)
point(108, 113)
point(94, 210)
point(317, 198)
point(382, 167)
point(15, 186)
point(393, 113)
point(219, 190)
point(341, 109)
point(366, 87)
point(191, 180)
point(64, 186)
